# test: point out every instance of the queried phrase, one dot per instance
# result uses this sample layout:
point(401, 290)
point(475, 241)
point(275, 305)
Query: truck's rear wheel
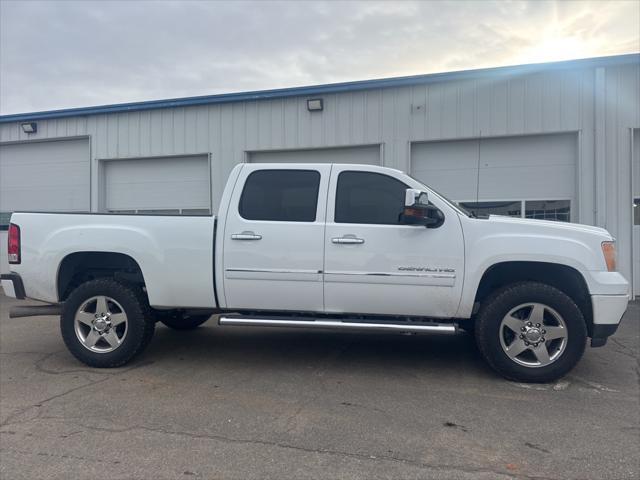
point(105, 323)
point(531, 332)
point(180, 321)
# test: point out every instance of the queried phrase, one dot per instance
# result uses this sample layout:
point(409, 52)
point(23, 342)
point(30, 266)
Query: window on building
point(559, 210)
point(636, 211)
point(163, 211)
point(4, 220)
point(510, 209)
point(372, 198)
point(195, 211)
point(281, 195)
point(159, 211)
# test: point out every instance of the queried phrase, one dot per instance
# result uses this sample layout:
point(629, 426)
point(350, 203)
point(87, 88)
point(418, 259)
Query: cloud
point(66, 53)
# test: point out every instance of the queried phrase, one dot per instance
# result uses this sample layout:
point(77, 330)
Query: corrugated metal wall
point(602, 104)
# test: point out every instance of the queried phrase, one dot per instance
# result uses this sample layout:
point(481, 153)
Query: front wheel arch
point(563, 277)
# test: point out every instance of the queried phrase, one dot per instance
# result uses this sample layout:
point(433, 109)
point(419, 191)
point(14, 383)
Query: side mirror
point(413, 196)
point(418, 210)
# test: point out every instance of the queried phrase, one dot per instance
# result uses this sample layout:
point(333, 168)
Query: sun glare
point(555, 48)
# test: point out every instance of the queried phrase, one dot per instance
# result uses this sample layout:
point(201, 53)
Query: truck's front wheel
point(531, 332)
point(105, 323)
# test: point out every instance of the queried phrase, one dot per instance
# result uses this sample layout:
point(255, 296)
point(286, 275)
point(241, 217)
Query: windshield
point(454, 205)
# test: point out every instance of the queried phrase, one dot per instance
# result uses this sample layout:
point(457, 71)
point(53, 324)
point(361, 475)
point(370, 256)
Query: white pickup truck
point(343, 247)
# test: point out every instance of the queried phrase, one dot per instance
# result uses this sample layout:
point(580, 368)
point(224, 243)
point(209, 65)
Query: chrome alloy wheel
point(101, 324)
point(533, 335)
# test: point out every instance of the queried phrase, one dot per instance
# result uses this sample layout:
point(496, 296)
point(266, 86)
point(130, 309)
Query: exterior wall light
point(314, 105)
point(31, 127)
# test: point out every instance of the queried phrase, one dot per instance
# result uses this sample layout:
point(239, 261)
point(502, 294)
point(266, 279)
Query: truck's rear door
point(273, 238)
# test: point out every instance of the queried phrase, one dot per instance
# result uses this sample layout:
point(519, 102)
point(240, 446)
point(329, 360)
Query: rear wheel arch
point(79, 267)
point(563, 277)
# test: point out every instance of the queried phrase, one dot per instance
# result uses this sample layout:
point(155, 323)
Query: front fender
point(486, 250)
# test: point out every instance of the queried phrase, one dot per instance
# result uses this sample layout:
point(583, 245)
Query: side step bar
point(35, 311)
point(442, 328)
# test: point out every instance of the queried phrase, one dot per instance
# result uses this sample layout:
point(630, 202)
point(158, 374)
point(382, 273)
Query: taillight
point(13, 243)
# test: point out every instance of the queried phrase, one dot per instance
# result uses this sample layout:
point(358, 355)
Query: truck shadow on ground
point(274, 348)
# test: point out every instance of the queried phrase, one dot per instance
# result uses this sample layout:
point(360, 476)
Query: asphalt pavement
point(249, 403)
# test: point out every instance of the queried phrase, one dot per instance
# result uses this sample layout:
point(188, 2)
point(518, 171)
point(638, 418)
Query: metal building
point(558, 141)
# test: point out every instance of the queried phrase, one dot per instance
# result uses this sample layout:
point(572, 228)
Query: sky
point(62, 54)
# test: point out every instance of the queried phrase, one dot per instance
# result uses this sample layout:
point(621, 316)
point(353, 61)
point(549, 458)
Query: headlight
point(609, 252)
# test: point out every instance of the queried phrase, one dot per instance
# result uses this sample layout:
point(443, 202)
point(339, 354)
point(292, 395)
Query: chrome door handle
point(347, 240)
point(245, 236)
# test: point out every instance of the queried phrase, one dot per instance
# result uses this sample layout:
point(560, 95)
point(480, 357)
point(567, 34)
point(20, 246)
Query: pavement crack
point(20, 352)
point(12, 419)
point(623, 350)
point(536, 447)
point(39, 365)
point(594, 385)
point(625, 347)
point(455, 425)
point(365, 407)
point(59, 455)
point(320, 451)
point(330, 359)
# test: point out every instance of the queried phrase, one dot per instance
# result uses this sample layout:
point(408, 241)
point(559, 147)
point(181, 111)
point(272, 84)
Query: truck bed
point(174, 252)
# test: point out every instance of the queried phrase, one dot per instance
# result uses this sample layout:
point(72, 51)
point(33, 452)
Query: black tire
point(179, 321)
point(140, 326)
point(501, 302)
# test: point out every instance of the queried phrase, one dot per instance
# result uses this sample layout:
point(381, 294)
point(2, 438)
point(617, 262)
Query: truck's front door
point(273, 238)
point(374, 264)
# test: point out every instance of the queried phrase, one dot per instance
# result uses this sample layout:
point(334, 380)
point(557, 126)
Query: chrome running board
point(34, 311)
point(247, 321)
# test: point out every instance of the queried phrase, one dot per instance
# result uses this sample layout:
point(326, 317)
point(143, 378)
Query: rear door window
point(280, 196)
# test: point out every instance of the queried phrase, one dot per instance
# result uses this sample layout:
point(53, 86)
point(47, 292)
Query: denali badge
point(427, 269)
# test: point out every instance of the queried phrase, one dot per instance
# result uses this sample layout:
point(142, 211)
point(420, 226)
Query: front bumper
point(608, 309)
point(607, 313)
point(13, 286)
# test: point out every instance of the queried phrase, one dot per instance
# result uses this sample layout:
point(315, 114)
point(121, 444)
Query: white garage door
point(158, 185)
point(43, 176)
point(531, 176)
point(369, 155)
point(51, 175)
